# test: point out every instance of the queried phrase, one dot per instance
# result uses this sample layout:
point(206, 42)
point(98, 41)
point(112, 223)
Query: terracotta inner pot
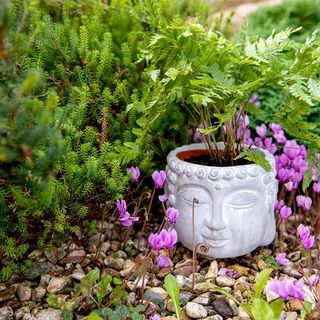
point(188, 154)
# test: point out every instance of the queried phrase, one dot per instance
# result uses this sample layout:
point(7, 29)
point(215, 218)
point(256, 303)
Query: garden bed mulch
point(54, 279)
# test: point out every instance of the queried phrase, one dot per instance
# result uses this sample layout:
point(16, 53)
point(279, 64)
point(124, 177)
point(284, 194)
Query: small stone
point(195, 310)
point(242, 314)
point(292, 273)
point(294, 256)
point(185, 297)
point(198, 277)
point(203, 286)
point(24, 292)
point(105, 247)
point(114, 263)
point(38, 293)
point(45, 279)
point(49, 314)
point(214, 317)
point(184, 268)
point(242, 284)
point(131, 299)
point(115, 245)
point(20, 313)
point(184, 282)
point(233, 306)
point(75, 256)
point(270, 295)
point(266, 252)
point(212, 272)
point(141, 281)
point(291, 315)
point(28, 317)
point(163, 272)
point(120, 254)
point(77, 274)
point(170, 306)
point(223, 281)
point(203, 299)
point(6, 313)
point(38, 268)
point(94, 240)
point(221, 306)
point(35, 255)
point(54, 254)
point(128, 267)
point(262, 265)
point(57, 284)
point(294, 305)
point(155, 295)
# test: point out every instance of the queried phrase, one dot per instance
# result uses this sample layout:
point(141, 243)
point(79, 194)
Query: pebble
point(77, 274)
point(24, 292)
point(128, 268)
point(38, 268)
point(115, 245)
point(35, 255)
point(242, 284)
point(223, 281)
point(294, 305)
point(212, 271)
point(184, 282)
point(262, 265)
point(294, 256)
point(7, 294)
point(75, 256)
point(170, 306)
point(243, 315)
point(49, 314)
point(20, 313)
point(270, 295)
point(38, 293)
point(57, 284)
point(195, 310)
point(214, 317)
point(114, 263)
point(184, 268)
point(291, 315)
point(203, 299)
point(54, 254)
point(155, 295)
point(6, 313)
point(221, 306)
point(241, 271)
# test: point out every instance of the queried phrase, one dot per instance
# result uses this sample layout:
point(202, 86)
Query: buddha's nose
point(216, 220)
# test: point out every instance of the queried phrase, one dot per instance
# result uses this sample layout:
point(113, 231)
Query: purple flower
point(159, 178)
point(289, 186)
point(135, 173)
point(291, 149)
point(172, 215)
point(258, 142)
point(314, 174)
point(285, 212)
point(261, 130)
point(316, 187)
point(287, 288)
point(280, 137)
point(227, 272)
point(126, 220)
point(314, 280)
point(163, 198)
point(169, 238)
point(198, 137)
point(271, 147)
point(282, 260)
point(304, 202)
point(255, 100)
point(300, 165)
point(279, 205)
point(163, 261)
point(305, 237)
point(155, 241)
point(121, 206)
point(154, 317)
point(276, 128)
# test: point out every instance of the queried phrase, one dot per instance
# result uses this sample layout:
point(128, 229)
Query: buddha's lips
point(216, 243)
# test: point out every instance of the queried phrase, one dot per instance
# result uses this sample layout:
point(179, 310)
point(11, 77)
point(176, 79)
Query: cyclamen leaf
point(277, 307)
point(261, 281)
point(94, 316)
point(172, 287)
point(261, 310)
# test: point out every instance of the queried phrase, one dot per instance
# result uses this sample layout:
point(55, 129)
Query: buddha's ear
point(270, 232)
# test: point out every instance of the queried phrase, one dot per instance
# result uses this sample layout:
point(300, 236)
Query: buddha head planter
point(233, 207)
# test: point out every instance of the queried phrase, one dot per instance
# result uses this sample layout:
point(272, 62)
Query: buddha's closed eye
point(190, 193)
point(243, 199)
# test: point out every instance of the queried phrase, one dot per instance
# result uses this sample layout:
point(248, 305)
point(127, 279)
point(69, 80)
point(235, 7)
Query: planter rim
point(173, 156)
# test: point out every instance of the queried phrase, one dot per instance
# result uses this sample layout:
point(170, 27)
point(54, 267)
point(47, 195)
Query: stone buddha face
point(233, 206)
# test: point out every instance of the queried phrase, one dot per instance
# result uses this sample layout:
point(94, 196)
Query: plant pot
point(233, 208)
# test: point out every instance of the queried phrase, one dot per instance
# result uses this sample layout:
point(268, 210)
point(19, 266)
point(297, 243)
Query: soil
point(202, 157)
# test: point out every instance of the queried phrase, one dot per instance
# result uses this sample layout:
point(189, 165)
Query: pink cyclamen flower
point(314, 280)
point(289, 186)
point(127, 220)
point(135, 173)
point(285, 212)
point(172, 215)
point(304, 202)
point(163, 198)
point(305, 237)
point(154, 317)
point(159, 178)
point(155, 241)
point(121, 206)
point(198, 137)
point(316, 187)
point(255, 100)
point(280, 137)
point(276, 128)
point(282, 260)
point(287, 288)
point(261, 130)
point(169, 238)
point(291, 149)
point(279, 204)
point(163, 261)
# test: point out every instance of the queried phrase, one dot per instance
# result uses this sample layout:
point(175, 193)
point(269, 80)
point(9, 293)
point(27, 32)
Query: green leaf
point(277, 307)
point(307, 308)
point(52, 300)
point(67, 315)
point(89, 280)
point(255, 157)
point(261, 310)
point(94, 316)
point(261, 281)
point(103, 288)
point(154, 74)
point(307, 178)
point(172, 287)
